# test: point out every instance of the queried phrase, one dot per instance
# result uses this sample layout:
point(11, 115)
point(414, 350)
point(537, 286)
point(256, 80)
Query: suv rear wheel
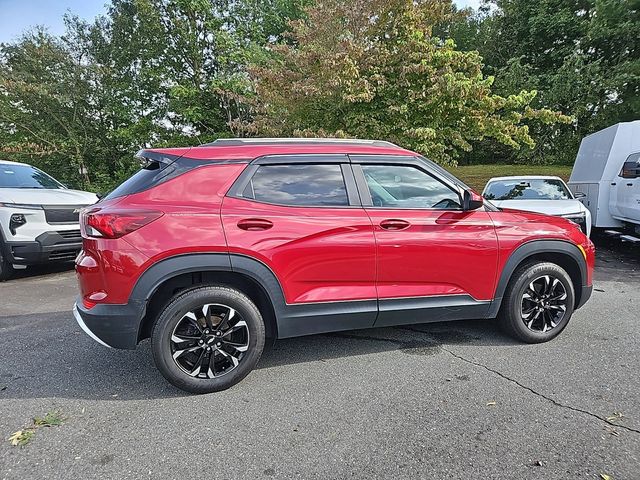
point(538, 303)
point(208, 339)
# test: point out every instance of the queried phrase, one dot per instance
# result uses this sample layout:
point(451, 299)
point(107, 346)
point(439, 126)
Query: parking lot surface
point(440, 400)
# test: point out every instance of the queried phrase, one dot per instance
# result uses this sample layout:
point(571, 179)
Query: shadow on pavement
point(77, 367)
point(33, 271)
point(616, 260)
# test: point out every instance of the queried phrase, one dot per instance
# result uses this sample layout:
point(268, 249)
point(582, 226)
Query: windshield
point(24, 176)
point(532, 189)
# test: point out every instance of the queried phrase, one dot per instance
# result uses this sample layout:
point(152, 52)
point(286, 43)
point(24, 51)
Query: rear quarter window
point(298, 185)
point(153, 173)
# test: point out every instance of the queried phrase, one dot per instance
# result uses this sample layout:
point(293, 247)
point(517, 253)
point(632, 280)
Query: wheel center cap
point(210, 340)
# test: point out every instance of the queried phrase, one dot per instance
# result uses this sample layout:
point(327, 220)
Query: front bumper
point(585, 294)
point(53, 246)
point(114, 326)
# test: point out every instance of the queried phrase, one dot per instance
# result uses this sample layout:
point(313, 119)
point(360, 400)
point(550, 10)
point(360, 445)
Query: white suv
point(541, 194)
point(38, 217)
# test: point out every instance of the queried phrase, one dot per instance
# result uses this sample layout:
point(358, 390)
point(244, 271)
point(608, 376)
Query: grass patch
point(476, 176)
point(22, 437)
point(51, 419)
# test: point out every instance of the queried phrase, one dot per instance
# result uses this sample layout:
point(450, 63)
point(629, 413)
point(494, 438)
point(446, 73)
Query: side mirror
point(471, 200)
point(579, 195)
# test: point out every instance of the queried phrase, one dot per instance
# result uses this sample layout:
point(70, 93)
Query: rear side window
point(631, 167)
point(298, 185)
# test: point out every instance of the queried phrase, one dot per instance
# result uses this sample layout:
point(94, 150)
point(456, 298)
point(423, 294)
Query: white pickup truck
point(606, 177)
point(38, 217)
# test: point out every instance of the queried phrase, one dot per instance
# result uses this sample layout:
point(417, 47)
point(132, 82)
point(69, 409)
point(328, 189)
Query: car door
point(434, 260)
point(301, 216)
point(625, 190)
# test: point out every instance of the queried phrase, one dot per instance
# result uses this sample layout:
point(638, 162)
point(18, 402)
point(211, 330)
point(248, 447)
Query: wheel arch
point(565, 254)
point(163, 280)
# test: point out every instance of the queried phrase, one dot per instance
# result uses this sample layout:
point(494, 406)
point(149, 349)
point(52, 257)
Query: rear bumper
point(47, 247)
point(114, 326)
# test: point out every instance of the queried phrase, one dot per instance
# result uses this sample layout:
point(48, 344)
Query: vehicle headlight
point(575, 217)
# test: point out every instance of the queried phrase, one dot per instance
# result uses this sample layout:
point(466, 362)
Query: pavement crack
point(529, 389)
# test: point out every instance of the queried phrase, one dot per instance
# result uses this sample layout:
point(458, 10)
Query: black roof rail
point(228, 142)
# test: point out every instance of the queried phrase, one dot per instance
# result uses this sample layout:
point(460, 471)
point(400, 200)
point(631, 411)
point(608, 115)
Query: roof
point(299, 141)
point(243, 149)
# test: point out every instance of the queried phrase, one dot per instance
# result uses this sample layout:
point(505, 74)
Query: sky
point(18, 15)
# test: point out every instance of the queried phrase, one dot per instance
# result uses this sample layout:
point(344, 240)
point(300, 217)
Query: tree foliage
point(374, 68)
point(149, 72)
point(582, 56)
point(456, 85)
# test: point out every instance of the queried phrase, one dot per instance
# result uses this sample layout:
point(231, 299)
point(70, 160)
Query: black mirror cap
point(472, 200)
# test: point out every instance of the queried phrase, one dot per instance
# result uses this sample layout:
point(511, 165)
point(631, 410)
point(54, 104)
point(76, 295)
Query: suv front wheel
point(538, 303)
point(208, 339)
point(6, 269)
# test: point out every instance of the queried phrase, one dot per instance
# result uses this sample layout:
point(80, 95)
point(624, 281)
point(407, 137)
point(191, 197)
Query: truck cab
point(606, 176)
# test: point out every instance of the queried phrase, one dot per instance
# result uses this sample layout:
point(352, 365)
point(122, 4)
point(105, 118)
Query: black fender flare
point(529, 249)
point(291, 319)
point(171, 267)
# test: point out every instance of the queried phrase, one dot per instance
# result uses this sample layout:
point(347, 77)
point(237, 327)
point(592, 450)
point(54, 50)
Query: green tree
point(580, 55)
point(148, 73)
point(373, 68)
point(47, 106)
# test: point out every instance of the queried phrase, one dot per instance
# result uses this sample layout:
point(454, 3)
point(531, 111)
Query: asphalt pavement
point(444, 400)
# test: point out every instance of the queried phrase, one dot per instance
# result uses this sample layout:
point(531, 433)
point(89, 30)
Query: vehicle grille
point(57, 214)
point(71, 234)
point(59, 255)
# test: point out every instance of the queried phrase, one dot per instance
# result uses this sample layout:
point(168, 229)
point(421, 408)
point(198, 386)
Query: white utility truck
point(606, 178)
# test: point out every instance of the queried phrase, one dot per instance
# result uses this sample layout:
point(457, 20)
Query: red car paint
point(317, 254)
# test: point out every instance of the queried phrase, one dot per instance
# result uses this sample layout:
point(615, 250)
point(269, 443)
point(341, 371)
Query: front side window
point(404, 186)
point(530, 189)
point(631, 167)
point(318, 185)
point(24, 176)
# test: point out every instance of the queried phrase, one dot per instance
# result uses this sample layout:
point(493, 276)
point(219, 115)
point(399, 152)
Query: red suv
point(212, 250)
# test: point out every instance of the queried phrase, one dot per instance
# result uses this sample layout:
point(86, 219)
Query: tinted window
point(24, 176)
point(153, 173)
point(311, 185)
point(538, 189)
point(398, 186)
point(631, 168)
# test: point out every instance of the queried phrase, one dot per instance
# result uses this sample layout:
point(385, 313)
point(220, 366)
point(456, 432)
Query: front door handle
point(613, 184)
point(394, 224)
point(254, 224)
point(629, 184)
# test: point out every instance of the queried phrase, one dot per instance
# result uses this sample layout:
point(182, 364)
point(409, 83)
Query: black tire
point(547, 318)
point(178, 315)
point(6, 269)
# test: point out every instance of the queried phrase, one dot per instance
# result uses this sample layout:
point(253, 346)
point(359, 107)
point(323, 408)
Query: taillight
point(115, 223)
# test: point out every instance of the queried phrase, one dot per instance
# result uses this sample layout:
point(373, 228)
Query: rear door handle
point(613, 184)
point(629, 184)
point(394, 224)
point(254, 224)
